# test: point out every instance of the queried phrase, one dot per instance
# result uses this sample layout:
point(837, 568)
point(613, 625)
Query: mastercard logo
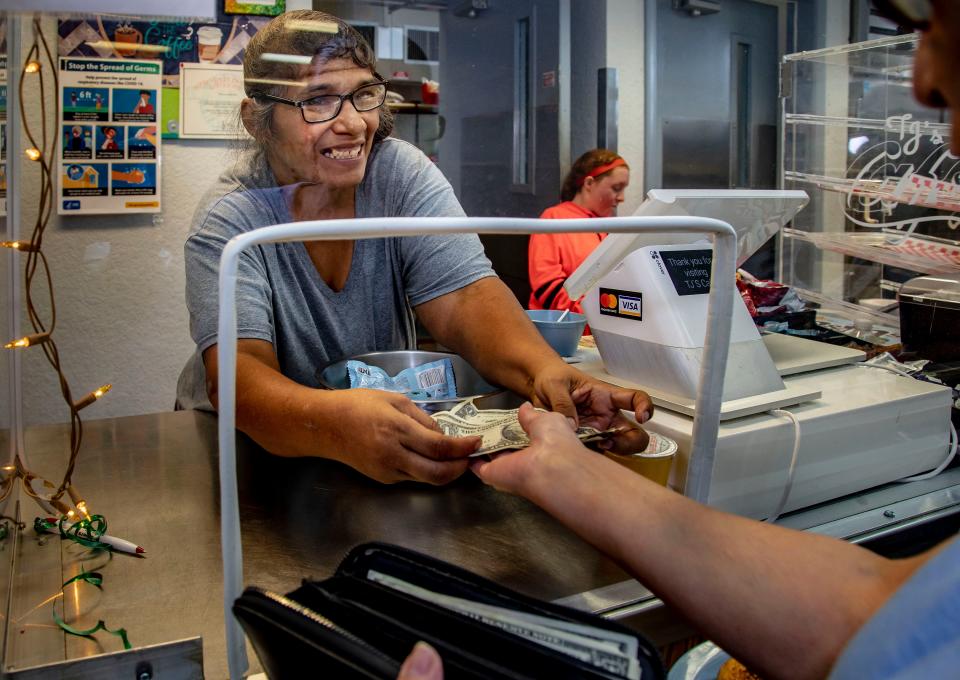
point(609, 300)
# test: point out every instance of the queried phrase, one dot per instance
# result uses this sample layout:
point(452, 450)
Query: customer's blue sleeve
point(916, 634)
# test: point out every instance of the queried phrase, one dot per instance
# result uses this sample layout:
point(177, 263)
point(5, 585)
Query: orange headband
point(600, 169)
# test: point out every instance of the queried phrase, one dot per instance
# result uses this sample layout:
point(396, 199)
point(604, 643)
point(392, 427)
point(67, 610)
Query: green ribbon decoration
point(86, 532)
point(95, 579)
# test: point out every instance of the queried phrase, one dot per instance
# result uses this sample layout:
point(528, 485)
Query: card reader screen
point(689, 270)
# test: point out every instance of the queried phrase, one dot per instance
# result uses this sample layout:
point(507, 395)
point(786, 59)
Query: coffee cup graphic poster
point(221, 41)
point(109, 147)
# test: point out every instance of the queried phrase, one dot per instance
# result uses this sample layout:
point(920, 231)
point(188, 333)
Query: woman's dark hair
point(304, 33)
point(582, 167)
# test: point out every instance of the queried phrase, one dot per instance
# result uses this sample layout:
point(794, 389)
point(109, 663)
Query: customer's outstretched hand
point(553, 442)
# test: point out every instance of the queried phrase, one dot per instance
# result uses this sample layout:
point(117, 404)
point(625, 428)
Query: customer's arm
point(784, 602)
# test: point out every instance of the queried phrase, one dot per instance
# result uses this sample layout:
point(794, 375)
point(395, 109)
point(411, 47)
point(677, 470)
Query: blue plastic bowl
point(564, 335)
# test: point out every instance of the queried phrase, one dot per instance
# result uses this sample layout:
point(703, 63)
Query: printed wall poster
point(220, 41)
point(210, 96)
point(109, 146)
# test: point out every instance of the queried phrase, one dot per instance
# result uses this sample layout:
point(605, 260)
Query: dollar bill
point(499, 429)
point(613, 652)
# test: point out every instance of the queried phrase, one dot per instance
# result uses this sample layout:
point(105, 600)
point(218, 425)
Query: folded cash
point(607, 650)
point(499, 429)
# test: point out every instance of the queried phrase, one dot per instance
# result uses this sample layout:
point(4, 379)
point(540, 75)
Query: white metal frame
point(716, 346)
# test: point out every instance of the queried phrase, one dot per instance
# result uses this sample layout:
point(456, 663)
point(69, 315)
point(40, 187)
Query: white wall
point(119, 288)
point(609, 35)
point(625, 52)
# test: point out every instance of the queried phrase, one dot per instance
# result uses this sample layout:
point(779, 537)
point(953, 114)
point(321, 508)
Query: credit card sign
point(623, 303)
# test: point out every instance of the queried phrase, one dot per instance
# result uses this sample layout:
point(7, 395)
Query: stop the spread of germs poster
point(109, 146)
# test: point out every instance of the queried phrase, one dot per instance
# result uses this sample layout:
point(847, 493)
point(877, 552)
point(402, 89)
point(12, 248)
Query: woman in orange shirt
point(594, 187)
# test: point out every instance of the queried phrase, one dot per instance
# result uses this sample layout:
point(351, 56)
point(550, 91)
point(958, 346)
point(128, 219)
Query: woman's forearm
point(485, 325)
point(282, 416)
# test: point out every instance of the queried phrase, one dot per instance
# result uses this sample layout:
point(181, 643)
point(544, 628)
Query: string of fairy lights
point(63, 499)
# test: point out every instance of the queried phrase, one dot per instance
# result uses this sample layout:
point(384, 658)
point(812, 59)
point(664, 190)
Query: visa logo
point(630, 305)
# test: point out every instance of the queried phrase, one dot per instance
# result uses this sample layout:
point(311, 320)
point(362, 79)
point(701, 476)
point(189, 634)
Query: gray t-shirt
point(281, 297)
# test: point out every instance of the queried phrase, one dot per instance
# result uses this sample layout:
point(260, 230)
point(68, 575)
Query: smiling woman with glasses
point(320, 148)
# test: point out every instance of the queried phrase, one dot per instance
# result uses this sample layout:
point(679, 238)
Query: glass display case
point(883, 186)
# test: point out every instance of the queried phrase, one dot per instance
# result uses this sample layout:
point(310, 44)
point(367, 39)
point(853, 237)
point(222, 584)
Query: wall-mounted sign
point(109, 151)
point(689, 270)
point(222, 41)
point(210, 96)
point(156, 8)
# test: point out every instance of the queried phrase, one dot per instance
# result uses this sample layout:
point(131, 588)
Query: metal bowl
point(470, 385)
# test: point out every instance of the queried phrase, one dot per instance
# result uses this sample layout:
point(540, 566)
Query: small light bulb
point(70, 513)
point(23, 246)
point(33, 153)
point(32, 67)
point(28, 340)
point(92, 397)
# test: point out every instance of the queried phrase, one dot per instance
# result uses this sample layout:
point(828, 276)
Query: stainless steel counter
point(155, 479)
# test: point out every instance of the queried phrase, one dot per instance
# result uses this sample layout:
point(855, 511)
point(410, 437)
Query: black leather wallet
point(364, 620)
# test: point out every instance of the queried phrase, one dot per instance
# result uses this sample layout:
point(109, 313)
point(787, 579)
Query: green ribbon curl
point(95, 579)
point(86, 532)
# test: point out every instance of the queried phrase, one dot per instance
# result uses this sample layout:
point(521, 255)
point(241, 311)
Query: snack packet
point(433, 380)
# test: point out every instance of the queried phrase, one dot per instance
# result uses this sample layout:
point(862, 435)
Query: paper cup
point(654, 462)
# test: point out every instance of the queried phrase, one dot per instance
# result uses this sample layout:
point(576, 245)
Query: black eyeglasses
point(912, 14)
point(327, 106)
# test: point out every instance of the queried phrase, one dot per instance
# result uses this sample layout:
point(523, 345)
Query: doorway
point(713, 110)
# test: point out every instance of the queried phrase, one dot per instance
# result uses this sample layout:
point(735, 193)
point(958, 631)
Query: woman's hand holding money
point(561, 388)
point(388, 438)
